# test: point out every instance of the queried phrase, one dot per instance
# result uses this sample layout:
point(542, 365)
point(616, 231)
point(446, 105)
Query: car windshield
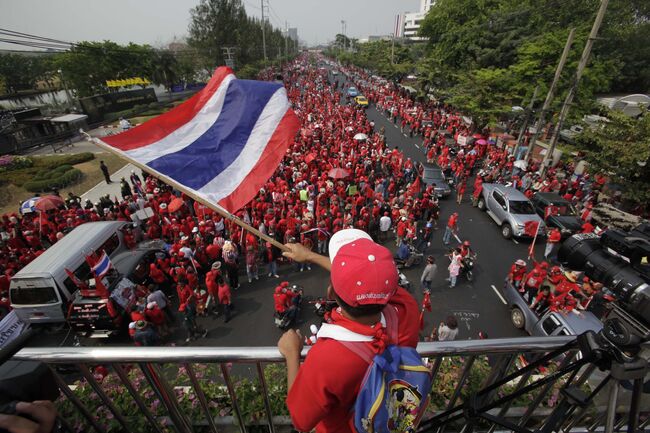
point(521, 207)
point(565, 209)
point(433, 174)
point(33, 296)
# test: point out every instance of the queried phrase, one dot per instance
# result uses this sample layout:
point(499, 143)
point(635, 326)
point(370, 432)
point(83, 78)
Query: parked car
point(510, 209)
point(552, 322)
point(89, 315)
point(352, 92)
point(361, 101)
point(565, 218)
point(433, 175)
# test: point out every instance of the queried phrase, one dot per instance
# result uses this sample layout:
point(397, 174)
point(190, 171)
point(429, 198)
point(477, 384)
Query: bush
point(13, 162)
point(72, 159)
point(58, 178)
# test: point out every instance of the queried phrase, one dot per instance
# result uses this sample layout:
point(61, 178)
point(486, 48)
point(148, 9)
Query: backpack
point(395, 390)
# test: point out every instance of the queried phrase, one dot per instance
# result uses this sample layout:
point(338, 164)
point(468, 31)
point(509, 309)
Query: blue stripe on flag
point(102, 266)
point(203, 160)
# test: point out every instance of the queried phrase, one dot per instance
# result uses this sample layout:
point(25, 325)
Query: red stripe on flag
point(267, 164)
point(160, 127)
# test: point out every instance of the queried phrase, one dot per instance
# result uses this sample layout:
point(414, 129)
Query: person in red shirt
point(517, 274)
point(552, 240)
point(155, 315)
point(451, 229)
point(225, 297)
point(323, 390)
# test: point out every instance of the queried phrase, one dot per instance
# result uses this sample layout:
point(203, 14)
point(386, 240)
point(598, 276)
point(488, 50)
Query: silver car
point(510, 209)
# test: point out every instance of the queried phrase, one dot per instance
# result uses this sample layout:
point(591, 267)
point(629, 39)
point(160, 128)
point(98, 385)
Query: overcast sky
point(156, 22)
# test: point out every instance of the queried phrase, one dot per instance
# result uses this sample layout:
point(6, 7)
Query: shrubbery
point(41, 173)
point(13, 162)
point(58, 177)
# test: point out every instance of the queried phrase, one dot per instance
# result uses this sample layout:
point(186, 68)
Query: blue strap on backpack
point(395, 390)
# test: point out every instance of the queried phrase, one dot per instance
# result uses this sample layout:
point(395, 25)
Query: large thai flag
point(222, 144)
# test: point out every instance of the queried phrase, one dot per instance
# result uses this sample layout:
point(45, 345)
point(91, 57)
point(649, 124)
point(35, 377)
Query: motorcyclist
point(286, 301)
point(466, 250)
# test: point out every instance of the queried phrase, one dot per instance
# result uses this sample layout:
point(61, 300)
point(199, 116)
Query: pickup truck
point(552, 322)
point(89, 315)
point(509, 208)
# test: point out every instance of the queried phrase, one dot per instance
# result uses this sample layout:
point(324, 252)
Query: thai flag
point(222, 144)
point(102, 266)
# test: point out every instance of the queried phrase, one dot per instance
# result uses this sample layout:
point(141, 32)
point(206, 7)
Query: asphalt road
point(478, 305)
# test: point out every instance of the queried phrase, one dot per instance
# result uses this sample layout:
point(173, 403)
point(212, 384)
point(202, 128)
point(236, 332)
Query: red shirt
point(329, 380)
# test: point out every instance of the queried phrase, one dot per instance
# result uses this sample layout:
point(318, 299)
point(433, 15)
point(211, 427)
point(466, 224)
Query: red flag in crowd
point(77, 282)
point(426, 302)
point(550, 211)
point(530, 228)
point(415, 186)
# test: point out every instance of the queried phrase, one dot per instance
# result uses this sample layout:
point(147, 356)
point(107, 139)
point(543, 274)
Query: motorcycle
point(468, 266)
point(323, 306)
point(284, 320)
point(404, 282)
point(415, 259)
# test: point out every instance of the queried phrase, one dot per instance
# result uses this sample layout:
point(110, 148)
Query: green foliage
point(224, 23)
point(621, 149)
point(377, 57)
point(57, 178)
point(13, 162)
point(37, 169)
point(19, 73)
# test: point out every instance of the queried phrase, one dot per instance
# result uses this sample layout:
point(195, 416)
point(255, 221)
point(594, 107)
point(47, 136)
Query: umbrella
point(310, 157)
point(175, 204)
point(521, 164)
point(202, 209)
point(360, 137)
point(28, 206)
point(49, 202)
point(338, 173)
point(481, 141)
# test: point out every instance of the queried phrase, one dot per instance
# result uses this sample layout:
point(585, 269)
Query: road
point(478, 305)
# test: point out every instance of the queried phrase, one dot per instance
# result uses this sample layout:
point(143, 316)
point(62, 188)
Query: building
point(413, 20)
point(293, 34)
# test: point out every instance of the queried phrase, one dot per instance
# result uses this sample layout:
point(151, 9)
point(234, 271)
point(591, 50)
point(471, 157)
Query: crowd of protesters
point(378, 190)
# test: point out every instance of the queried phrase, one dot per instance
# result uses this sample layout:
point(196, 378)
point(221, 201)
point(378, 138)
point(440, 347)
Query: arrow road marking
point(499, 294)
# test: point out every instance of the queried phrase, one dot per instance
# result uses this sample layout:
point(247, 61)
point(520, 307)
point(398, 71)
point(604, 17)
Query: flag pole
point(218, 209)
point(531, 250)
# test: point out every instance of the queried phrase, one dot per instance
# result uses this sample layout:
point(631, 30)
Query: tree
point(621, 150)
point(20, 72)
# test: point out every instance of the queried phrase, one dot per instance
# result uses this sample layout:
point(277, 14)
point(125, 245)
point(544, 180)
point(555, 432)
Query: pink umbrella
point(338, 173)
point(49, 202)
point(481, 141)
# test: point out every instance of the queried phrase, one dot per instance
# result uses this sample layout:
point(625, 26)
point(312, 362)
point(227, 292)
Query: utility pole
point(343, 31)
point(229, 56)
point(265, 14)
point(584, 59)
point(286, 39)
point(550, 95)
point(524, 127)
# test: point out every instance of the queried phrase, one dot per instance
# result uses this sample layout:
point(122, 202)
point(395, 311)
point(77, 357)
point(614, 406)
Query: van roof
point(78, 240)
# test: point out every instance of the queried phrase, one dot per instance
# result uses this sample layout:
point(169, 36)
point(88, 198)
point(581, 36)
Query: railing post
point(73, 398)
point(233, 397)
point(265, 391)
point(459, 387)
point(166, 395)
point(136, 396)
point(611, 406)
point(102, 395)
point(201, 396)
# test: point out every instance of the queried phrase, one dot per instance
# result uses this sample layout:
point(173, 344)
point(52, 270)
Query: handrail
point(163, 354)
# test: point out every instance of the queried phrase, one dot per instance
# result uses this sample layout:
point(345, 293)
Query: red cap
point(363, 272)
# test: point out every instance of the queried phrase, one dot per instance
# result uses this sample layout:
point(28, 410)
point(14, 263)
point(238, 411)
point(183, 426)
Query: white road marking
point(499, 294)
point(515, 241)
point(416, 146)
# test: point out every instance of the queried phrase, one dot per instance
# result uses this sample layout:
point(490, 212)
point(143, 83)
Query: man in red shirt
point(451, 229)
point(323, 390)
point(552, 240)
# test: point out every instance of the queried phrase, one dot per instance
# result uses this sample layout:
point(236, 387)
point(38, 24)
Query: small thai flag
point(102, 266)
point(222, 145)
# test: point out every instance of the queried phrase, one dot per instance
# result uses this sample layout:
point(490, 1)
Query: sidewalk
point(113, 190)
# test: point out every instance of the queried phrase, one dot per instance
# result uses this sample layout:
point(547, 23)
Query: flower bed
point(13, 162)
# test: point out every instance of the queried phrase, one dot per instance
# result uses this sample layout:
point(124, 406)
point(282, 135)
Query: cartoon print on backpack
point(404, 406)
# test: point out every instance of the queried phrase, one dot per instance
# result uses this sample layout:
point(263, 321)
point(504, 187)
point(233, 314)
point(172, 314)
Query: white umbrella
point(360, 137)
point(521, 164)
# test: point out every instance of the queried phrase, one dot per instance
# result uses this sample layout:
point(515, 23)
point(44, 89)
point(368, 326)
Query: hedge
point(57, 178)
point(72, 159)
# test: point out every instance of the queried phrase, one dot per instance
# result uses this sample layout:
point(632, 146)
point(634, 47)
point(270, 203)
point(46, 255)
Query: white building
point(413, 20)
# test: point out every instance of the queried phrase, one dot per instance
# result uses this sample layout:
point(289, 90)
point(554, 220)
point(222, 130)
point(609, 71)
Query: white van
point(42, 291)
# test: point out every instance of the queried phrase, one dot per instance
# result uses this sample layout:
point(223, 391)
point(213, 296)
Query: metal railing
point(485, 375)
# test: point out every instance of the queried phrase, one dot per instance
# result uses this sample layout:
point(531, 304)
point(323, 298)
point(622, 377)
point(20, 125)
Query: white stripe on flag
point(188, 133)
point(229, 179)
